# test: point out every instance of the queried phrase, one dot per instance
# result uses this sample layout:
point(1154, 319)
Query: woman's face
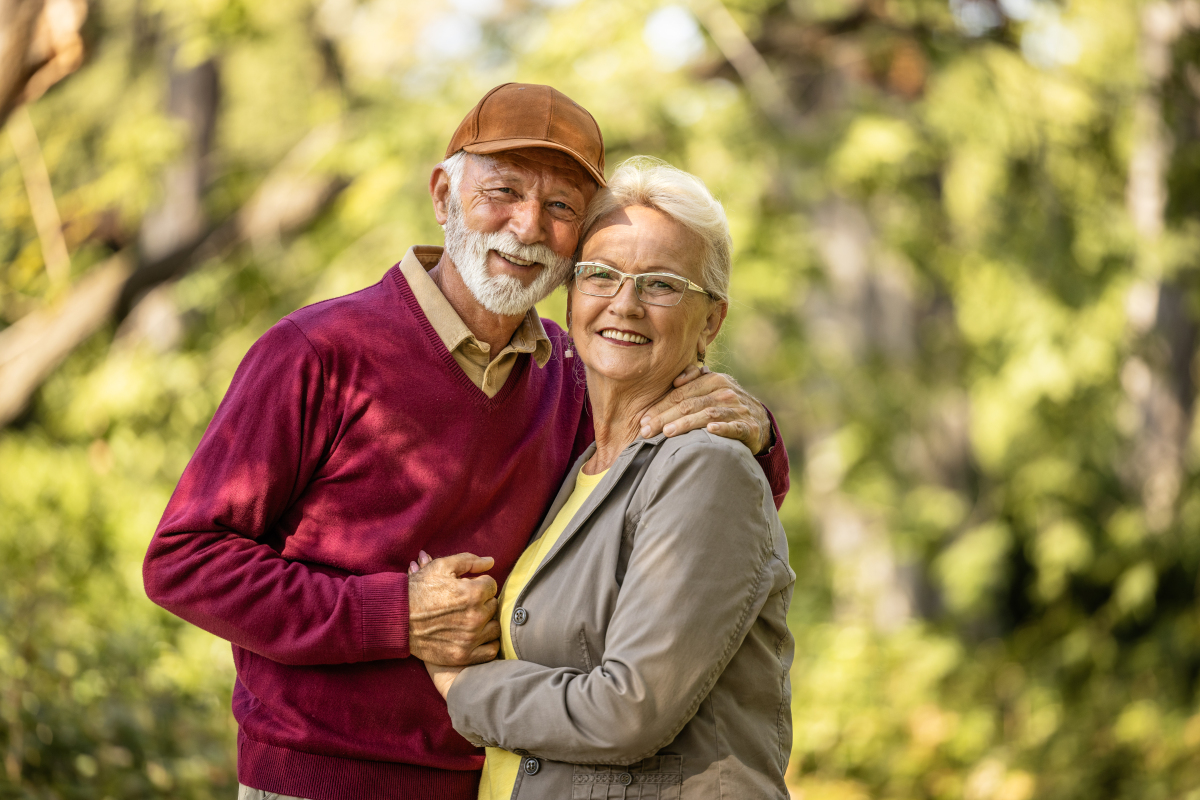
point(624, 340)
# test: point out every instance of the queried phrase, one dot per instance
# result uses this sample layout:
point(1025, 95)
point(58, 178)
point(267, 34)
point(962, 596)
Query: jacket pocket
point(654, 778)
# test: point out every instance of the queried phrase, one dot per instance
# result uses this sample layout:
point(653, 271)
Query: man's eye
point(505, 189)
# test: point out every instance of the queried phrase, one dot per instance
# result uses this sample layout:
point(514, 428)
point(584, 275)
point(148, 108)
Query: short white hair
point(454, 167)
point(653, 183)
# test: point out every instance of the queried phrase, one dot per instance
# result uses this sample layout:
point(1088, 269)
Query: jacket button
point(520, 617)
point(521, 751)
point(625, 779)
point(532, 765)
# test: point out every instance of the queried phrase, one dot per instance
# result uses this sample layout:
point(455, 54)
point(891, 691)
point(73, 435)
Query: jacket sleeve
point(211, 561)
point(698, 575)
point(774, 463)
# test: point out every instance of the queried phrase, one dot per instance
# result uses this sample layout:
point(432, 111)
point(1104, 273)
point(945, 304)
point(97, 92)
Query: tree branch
point(288, 200)
point(764, 88)
point(39, 46)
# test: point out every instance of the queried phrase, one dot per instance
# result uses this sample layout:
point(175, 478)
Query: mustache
point(506, 242)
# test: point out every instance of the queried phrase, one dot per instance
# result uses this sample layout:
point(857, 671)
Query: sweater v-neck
point(477, 395)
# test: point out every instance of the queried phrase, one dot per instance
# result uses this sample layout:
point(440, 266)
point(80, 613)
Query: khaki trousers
point(246, 793)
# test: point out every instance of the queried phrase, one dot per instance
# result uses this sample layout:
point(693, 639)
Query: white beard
point(500, 294)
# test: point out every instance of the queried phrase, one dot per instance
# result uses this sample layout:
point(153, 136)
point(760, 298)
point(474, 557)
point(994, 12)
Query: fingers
point(723, 404)
point(485, 653)
point(464, 563)
point(423, 558)
point(688, 375)
point(486, 586)
point(704, 418)
point(490, 608)
point(735, 430)
point(490, 632)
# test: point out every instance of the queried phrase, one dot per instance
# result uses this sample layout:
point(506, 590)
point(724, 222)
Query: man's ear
point(439, 190)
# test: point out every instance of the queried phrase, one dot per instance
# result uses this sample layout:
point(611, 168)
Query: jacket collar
point(602, 490)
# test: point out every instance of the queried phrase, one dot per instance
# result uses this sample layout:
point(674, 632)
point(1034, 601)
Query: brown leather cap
point(516, 115)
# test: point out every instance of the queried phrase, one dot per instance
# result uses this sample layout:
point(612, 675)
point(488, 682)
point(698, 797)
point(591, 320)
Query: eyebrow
point(502, 171)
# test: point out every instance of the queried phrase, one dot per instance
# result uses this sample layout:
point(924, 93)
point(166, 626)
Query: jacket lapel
point(628, 457)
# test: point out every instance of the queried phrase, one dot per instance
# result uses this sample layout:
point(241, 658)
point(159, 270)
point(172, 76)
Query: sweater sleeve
point(211, 561)
point(774, 463)
point(697, 578)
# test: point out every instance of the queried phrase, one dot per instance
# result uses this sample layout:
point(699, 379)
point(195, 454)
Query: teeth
point(624, 337)
point(518, 261)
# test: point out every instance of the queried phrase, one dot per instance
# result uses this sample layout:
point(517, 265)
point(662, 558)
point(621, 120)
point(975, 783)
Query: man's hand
point(711, 400)
point(451, 618)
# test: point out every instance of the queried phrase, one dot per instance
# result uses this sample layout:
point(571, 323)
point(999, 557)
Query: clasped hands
point(452, 616)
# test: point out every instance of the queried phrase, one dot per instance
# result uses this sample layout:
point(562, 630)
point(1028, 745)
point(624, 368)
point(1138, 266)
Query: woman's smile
point(624, 338)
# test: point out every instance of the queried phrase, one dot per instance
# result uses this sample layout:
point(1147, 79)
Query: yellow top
point(501, 767)
point(472, 355)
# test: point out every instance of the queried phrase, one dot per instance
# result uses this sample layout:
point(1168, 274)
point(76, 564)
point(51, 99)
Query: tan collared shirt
point(474, 356)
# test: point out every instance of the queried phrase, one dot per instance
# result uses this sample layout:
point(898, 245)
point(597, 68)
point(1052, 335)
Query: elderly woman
point(644, 636)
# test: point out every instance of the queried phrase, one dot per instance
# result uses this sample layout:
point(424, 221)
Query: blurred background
point(967, 282)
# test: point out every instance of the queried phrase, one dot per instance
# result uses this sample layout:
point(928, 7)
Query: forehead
point(640, 239)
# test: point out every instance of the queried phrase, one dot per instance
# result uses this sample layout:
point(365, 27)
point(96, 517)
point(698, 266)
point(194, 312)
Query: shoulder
point(699, 463)
point(709, 449)
point(340, 314)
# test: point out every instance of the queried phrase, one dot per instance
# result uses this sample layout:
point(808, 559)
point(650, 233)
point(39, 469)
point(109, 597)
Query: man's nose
point(526, 221)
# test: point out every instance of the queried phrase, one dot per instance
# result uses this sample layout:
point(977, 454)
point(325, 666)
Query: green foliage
point(935, 290)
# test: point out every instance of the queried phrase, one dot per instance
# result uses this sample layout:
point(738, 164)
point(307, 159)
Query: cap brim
point(500, 145)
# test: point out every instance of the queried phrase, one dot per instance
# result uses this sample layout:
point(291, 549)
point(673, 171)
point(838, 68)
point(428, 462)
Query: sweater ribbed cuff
point(384, 615)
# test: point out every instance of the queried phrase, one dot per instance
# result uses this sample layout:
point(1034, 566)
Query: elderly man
point(430, 413)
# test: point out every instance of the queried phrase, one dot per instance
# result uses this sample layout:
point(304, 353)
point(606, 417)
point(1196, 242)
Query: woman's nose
point(626, 302)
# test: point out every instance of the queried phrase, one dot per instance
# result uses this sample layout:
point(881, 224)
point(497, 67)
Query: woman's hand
point(443, 677)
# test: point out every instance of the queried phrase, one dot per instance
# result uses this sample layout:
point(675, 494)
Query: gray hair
point(454, 166)
point(653, 183)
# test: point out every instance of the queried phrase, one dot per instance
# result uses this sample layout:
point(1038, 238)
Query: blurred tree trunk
point(1158, 378)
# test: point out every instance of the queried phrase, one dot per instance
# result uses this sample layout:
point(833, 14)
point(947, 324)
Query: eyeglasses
point(652, 288)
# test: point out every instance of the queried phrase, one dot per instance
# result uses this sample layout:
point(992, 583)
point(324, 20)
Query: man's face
point(512, 226)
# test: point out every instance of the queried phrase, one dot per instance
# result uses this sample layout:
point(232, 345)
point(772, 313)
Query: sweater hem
point(317, 777)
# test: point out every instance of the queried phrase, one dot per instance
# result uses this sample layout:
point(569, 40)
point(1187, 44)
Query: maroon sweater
point(349, 440)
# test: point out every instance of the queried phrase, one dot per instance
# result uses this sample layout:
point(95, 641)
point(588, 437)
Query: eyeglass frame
point(695, 287)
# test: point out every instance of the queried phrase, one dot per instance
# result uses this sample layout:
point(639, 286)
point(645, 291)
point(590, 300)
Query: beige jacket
point(653, 640)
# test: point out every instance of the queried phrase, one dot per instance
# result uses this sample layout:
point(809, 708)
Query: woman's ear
point(712, 324)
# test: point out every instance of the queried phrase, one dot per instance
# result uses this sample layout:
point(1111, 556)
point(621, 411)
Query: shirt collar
point(529, 337)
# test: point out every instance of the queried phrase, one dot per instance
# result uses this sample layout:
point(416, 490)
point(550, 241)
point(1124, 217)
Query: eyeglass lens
point(655, 288)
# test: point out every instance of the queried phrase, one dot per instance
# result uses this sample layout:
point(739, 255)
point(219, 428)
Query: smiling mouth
point(622, 336)
point(520, 262)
